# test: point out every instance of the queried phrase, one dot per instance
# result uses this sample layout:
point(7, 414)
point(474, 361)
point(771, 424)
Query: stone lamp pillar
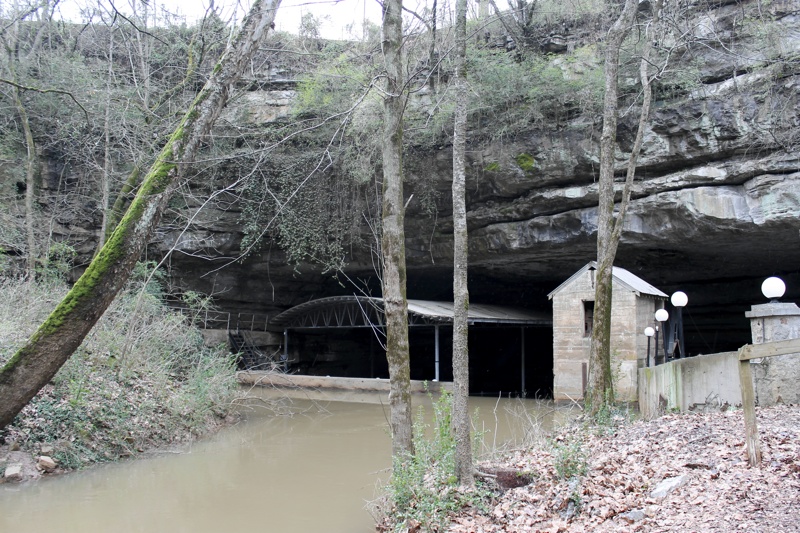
point(775, 378)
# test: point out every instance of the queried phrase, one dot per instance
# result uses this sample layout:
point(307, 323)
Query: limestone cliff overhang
point(365, 311)
point(621, 277)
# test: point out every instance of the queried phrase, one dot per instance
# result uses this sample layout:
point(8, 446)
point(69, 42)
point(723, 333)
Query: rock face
point(715, 206)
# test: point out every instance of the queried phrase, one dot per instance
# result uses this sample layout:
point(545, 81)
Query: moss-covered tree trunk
point(393, 234)
point(461, 420)
point(64, 330)
point(609, 228)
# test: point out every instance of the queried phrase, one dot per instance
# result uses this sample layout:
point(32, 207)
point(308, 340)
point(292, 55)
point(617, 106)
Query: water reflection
point(311, 471)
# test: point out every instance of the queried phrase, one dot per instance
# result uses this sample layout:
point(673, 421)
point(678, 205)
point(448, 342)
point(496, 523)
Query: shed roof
point(364, 311)
point(630, 281)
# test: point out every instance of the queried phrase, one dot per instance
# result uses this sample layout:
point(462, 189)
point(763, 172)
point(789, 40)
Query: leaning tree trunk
point(461, 420)
point(601, 386)
point(393, 235)
point(66, 327)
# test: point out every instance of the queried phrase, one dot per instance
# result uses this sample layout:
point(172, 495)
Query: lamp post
point(679, 301)
point(649, 332)
point(773, 288)
point(661, 316)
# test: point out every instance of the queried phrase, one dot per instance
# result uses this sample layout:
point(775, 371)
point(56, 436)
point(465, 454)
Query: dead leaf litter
point(681, 472)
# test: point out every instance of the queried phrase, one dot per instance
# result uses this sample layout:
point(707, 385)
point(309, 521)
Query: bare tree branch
point(45, 91)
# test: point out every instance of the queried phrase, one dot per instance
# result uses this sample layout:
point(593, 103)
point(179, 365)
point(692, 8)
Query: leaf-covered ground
point(702, 456)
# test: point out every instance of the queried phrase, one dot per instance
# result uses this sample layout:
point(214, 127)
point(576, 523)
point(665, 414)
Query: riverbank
point(142, 380)
point(680, 472)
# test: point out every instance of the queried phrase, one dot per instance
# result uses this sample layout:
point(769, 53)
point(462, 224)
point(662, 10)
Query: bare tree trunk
point(433, 60)
point(610, 227)
point(14, 59)
point(393, 236)
point(66, 327)
point(30, 184)
point(483, 9)
point(105, 179)
point(601, 386)
point(644, 116)
point(144, 45)
point(461, 420)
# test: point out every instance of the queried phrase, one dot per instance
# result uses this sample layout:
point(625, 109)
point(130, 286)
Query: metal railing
point(211, 319)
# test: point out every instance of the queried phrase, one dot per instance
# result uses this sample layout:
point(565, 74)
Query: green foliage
point(511, 93)
point(569, 458)
point(339, 81)
point(147, 277)
point(312, 213)
point(423, 488)
point(171, 388)
point(57, 263)
point(557, 12)
point(526, 162)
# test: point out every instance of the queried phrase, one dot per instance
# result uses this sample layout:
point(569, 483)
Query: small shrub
point(423, 488)
point(57, 263)
point(569, 458)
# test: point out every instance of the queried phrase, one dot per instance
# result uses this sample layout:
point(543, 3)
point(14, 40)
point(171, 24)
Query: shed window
point(588, 317)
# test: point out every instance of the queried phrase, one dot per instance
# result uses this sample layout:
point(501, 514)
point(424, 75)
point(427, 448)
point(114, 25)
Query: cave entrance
point(505, 360)
point(511, 350)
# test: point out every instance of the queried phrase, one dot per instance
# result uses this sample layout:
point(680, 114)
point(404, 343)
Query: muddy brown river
point(311, 469)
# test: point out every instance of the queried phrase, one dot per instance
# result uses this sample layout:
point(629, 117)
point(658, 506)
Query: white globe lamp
point(773, 288)
point(679, 299)
point(662, 315)
point(649, 332)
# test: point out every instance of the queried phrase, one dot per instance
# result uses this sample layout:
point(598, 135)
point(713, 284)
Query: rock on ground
point(17, 466)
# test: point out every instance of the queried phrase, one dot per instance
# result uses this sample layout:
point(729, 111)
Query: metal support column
point(522, 335)
point(436, 341)
point(285, 355)
point(371, 355)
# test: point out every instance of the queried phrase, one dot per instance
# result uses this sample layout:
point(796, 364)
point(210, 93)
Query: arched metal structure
point(367, 312)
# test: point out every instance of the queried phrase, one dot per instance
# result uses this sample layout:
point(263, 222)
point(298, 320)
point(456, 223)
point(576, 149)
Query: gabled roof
point(632, 282)
point(363, 311)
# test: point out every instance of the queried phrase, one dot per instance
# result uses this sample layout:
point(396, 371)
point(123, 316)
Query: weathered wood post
point(749, 407)
point(746, 353)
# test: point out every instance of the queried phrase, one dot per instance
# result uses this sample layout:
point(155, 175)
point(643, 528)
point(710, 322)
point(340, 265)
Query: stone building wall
point(630, 314)
point(775, 379)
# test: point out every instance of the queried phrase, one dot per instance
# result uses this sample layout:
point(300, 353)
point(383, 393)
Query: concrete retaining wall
point(686, 383)
point(277, 380)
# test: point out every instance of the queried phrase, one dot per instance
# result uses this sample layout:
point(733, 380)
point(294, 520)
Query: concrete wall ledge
point(278, 380)
point(705, 380)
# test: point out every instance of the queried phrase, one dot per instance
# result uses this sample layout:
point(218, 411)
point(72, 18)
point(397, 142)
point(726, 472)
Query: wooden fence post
point(749, 408)
point(746, 353)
